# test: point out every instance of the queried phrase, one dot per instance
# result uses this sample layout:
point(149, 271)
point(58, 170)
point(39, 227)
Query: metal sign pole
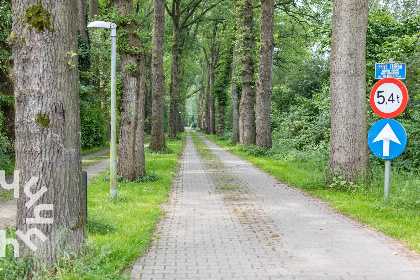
point(387, 179)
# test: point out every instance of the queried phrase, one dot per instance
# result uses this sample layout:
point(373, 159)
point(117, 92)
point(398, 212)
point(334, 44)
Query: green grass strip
point(118, 232)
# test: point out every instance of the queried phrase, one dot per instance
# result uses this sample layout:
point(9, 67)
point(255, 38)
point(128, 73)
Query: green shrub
point(6, 150)
point(92, 118)
point(147, 178)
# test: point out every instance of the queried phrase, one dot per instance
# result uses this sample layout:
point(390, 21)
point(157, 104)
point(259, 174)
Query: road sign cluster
point(387, 138)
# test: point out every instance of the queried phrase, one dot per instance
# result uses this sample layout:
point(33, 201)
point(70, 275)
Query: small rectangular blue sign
point(390, 70)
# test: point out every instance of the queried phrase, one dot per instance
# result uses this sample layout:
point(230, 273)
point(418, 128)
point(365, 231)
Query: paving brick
point(260, 228)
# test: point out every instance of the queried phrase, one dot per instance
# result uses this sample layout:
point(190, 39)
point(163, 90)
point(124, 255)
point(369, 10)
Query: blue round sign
point(387, 139)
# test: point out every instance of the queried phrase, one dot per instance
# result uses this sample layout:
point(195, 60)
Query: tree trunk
point(148, 101)
point(93, 9)
point(176, 33)
point(48, 152)
point(212, 106)
point(349, 148)
point(207, 98)
point(235, 111)
point(82, 5)
point(246, 108)
point(235, 63)
point(131, 158)
point(200, 106)
point(157, 140)
point(265, 74)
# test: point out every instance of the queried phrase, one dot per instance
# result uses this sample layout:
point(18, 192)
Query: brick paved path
point(227, 220)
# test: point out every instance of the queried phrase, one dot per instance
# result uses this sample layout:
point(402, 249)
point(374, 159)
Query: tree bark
point(48, 152)
point(235, 63)
point(131, 158)
point(235, 111)
point(157, 140)
point(82, 6)
point(173, 109)
point(246, 108)
point(212, 106)
point(349, 148)
point(148, 101)
point(93, 9)
point(265, 75)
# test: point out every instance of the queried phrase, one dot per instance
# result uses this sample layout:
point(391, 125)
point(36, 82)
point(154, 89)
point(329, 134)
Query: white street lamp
point(113, 155)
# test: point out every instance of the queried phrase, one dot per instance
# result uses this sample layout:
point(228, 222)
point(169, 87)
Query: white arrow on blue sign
point(387, 139)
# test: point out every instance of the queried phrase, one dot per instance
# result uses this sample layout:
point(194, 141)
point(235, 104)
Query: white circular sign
point(388, 98)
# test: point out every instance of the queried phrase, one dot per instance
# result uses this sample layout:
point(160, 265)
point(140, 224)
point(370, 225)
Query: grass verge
point(400, 218)
point(118, 232)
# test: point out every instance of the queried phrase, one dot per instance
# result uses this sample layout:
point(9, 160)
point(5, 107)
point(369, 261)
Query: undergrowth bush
point(6, 150)
point(92, 117)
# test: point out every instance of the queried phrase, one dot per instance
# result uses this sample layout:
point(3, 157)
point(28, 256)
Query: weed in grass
point(147, 178)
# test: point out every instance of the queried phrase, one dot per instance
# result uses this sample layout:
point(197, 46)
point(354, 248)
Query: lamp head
point(102, 24)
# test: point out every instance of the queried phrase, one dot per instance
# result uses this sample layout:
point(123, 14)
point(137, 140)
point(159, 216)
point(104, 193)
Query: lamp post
point(113, 155)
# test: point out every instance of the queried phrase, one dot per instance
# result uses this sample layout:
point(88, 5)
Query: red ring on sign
point(403, 103)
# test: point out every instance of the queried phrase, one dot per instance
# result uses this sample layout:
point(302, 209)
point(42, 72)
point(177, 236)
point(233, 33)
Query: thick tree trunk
point(157, 140)
point(173, 108)
point(176, 36)
point(265, 75)
point(93, 9)
point(349, 148)
point(82, 5)
point(48, 153)
point(131, 158)
point(246, 108)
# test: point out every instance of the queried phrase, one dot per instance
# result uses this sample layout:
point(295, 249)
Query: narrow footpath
point(226, 219)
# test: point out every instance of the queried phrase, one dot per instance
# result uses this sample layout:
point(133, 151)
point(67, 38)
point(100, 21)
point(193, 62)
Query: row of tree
point(203, 48)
